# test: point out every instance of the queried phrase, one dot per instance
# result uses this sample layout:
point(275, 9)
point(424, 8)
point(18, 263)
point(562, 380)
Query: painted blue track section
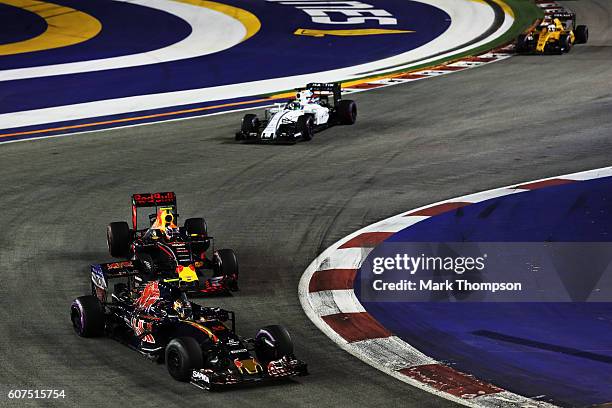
point(126, 29)
point(19, 25)
point(560, 350)
point(255, 59)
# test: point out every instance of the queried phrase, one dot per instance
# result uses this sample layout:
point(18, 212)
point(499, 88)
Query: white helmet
point(305, 96)
point(552, 28)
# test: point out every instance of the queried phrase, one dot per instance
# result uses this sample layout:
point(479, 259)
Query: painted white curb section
point(470, 19)
point(327, 297)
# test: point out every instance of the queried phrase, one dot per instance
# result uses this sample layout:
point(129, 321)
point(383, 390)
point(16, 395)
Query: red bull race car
point(198, 344)
point(163, 250)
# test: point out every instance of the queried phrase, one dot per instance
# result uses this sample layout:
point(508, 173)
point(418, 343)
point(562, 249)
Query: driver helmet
point(306, 96)
point(183, 308)
point(552, 28)
point(164, 222)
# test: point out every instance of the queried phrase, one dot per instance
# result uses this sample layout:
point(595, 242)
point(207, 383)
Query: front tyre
point(118, 239)
point(305, 125)
point(250, 124)
point(226, 264)
point(87, 316)
point(346, 112)
point(521, 46)
point(566, 43)
point(272, 343)
point(183, 355)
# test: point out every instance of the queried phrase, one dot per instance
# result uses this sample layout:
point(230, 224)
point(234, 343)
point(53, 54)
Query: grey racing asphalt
point(278, 207)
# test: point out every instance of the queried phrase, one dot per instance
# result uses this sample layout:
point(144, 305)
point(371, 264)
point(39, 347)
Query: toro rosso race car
point(162, 250)
point(198, 344)
point(556, 35)
point(299, 119)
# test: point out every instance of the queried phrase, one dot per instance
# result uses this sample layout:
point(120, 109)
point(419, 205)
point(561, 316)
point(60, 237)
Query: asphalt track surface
point(278, 207)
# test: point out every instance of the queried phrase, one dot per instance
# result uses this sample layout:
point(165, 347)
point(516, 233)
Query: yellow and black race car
point(556, 35)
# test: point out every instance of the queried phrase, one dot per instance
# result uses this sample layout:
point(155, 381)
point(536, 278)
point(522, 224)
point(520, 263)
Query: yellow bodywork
point(545, 36)
point(187, 273)
point(249, 366)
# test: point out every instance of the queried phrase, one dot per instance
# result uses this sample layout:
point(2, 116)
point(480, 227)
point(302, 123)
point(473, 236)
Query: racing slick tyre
point(272, 343)
point(250, 124)
point(118, 239)
point(196, 226)
point(147, 266)
point(183, 355)
point(87, 316)
point(520, 44)
point(582, 34)
point(347, 112)
point(305, 125)
point(226, 264)
point(566, 43)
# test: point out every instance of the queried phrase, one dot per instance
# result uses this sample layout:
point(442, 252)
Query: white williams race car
point(300, 118)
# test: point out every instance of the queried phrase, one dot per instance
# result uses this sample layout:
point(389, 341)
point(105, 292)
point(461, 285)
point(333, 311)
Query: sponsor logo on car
point(197, 375)
point(97, 276)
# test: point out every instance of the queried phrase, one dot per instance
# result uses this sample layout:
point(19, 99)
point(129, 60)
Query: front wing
point(277, 370)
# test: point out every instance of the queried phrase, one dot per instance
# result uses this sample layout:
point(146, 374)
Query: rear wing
point(568, 18)
point(154, 199)
point(101, 274)
point(329, 88)
point(167, 198)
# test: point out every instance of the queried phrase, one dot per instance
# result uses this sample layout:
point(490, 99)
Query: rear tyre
point(305, 125)
point(183, 355)
point(118, 239)
point(346, 112)
point(226, 264)
point(196, 226)
point(87, 316)
point(582, 34)
point(272, 343)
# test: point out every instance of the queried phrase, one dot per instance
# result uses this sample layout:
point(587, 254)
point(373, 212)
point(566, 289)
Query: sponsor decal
point(197, 375)
point(119, 265)
point(154, 198)
point(97, 276)
point(149, 296)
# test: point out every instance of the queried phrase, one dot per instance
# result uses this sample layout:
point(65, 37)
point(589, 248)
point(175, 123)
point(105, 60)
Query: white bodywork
point(282, 113)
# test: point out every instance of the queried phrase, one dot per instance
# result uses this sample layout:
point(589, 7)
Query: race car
point(557, 34)
point(198, 344)
point(162, 250)
point(299, 118)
